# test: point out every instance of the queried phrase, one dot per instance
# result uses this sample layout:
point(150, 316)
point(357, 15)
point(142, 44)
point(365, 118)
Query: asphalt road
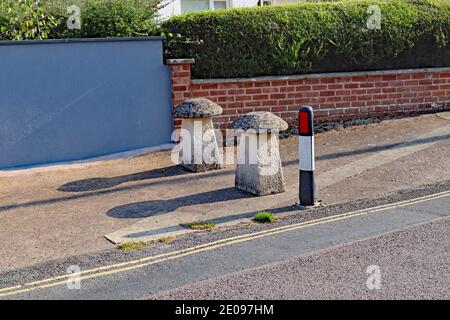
point(413, 264)
point(320, 258)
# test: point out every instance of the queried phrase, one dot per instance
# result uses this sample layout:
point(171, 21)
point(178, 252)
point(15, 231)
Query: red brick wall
point(338, 96)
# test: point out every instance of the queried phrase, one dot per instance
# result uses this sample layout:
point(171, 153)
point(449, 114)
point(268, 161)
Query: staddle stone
point(259, 169)
point(200, 151)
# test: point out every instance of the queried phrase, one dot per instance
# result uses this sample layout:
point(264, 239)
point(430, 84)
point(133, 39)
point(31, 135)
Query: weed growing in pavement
point(166, 240)
point(201, 225)
point(135, 245)
point(265, 217)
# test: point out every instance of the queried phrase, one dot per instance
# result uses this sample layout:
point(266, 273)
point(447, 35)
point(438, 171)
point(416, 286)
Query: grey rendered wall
point(69, 100)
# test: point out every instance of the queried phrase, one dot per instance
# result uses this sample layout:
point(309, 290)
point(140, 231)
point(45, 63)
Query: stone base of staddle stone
point(201, 140)
point(248, 180)
point(201, 167)
point(263, 176)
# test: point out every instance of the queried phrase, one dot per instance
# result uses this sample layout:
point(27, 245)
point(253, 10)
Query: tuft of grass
point(167, 240)
point(135, 245)
point(201, 225)
point(265, 217)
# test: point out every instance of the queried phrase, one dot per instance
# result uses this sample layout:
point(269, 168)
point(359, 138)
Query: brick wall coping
point(180, 61)
point(319, 75)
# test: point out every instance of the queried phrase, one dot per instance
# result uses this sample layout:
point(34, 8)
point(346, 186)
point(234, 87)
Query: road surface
point(411, 264)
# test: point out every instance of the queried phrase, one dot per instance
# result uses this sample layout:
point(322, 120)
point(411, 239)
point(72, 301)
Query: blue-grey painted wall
point(69, 100)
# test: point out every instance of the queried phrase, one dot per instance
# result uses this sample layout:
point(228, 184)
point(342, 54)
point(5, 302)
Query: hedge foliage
point(312, 37)
point(42, 19)
point(104, 18)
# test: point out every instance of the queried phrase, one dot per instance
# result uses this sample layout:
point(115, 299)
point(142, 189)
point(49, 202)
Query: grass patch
point(201, 225)
point(166, 240)
point(135, 245)
point(265, 217)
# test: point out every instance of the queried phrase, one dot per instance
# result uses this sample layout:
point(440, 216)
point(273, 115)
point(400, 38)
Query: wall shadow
point(93, 184)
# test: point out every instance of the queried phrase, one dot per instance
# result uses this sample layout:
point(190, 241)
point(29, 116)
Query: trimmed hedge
point(312, 37)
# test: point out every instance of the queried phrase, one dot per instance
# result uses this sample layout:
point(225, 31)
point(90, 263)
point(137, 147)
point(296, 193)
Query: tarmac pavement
point(78, 205)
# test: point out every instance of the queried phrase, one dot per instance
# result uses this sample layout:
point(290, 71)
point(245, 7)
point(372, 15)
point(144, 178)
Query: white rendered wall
point(174, 7)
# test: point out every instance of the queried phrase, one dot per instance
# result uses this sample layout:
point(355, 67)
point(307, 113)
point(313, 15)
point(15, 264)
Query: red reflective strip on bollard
point(304, 123)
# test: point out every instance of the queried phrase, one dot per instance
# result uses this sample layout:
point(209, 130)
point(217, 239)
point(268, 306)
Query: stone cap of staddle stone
point(197, 108)
point(260, 121)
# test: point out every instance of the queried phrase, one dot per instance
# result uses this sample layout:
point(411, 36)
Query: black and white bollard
point(306, 156)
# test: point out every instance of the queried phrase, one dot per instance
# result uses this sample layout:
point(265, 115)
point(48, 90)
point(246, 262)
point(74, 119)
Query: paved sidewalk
point(54, 213)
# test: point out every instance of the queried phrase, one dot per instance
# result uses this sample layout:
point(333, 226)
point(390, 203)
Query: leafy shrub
point(105, 18)
point(25, 19)
point(41, 19)
point(312, 37)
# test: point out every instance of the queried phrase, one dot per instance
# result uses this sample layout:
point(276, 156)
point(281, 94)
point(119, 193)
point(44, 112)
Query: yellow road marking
point(11, 288)
point(143, 262)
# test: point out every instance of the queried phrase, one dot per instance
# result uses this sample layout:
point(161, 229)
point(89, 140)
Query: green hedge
point(312, 37)
point(42, 19)
point(105, 18)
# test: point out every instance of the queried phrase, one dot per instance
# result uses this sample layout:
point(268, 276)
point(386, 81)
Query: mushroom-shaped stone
point(197, 108)
point(260, 121)
point(198, 143)
point(259, 168)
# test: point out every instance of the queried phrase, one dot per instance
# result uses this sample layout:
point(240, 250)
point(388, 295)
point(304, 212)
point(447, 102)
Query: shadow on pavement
point(93, 184)
point(186, 177)
point(100, 186)
point(156, 207)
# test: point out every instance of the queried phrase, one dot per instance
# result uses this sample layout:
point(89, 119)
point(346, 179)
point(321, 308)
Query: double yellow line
point(144, 262)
